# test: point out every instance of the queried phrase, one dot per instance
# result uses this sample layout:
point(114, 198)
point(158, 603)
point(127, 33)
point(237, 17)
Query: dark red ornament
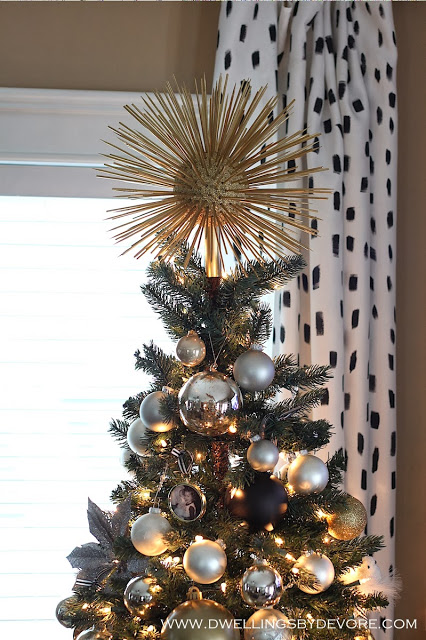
point(261, 505)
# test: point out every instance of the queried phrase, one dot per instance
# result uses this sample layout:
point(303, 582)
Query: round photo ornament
point(186, 500)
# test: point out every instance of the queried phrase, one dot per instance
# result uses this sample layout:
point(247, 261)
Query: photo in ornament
point(187, 502)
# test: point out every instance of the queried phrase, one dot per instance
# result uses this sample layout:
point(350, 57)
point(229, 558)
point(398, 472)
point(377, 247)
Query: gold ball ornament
point(348, 520)
point(147, 533)
point(267, 624)
point(205, 561)
point(198, 619)
point(191, 350)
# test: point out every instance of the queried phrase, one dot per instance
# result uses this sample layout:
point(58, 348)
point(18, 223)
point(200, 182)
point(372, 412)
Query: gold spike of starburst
point(208, 167)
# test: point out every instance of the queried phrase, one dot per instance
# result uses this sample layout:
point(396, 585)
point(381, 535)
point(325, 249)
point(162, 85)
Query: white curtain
point(338, 61)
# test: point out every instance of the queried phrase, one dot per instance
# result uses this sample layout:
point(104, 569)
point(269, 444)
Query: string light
point(288, 556)
point(223, 587)
point(85, 606)
point(290, 490)
point(199, 538)
point(327, 539)
point(105, 610)
point(295, 570)
point(321, 514)
point(232, 429)
point(309, 616)
point(279, 542)
point(269, 526)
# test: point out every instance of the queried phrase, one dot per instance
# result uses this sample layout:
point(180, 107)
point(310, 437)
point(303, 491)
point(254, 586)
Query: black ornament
point(261, 505)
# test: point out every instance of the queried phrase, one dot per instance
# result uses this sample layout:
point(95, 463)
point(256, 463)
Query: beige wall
point(138, 47)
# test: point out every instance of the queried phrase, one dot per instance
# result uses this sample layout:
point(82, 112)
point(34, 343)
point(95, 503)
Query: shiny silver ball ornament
point(261, 585)
point(320, 567)
point(150, 413)
point(205, 561)
point(62, 613)
point(93, 634)
point(268, 624)
point(209, 402)
point(138, 595)
point(147, 533)
point(191, 350)
point(135, 434)
point(254, 370)
point(262, 455)
point(307, 474)
point(198, 619)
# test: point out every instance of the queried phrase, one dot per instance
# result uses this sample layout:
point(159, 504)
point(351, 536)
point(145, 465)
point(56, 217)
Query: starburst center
point(211, 186)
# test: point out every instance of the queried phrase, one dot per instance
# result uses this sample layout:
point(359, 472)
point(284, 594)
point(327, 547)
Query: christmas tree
point(231, 525)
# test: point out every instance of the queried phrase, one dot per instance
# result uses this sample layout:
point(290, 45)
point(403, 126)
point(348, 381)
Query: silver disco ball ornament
point(307, 474)
point(267, 624)
point(191, 350)
point(261, 585)
point(262, 455)
point(147, 533)
point(150, 412)
point(254, 370)
point(135, 434)
point(321, 569)
point(138, 595)
point(209, 402)
point(205, 561)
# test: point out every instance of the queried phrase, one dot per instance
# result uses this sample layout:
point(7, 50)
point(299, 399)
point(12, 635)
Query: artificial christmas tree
point(212, 527)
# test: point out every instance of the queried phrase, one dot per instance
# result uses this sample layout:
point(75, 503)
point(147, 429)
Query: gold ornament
point(208, 167)
point(198, 619)
point(348, 520)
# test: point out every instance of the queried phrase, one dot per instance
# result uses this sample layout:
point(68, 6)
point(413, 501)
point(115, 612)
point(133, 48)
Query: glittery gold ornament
point(348, 519)
point(208, 167)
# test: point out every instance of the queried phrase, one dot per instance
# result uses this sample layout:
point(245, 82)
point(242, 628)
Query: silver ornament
point(262, 455)
point(209, 402)
point(205, 561)
point(320, 567)
point(307, 474)
point(62, 613)
point(198, 619)
point(147, 533)
point(254, 370)
point(135, 434)
point(267, 624)
point(261, 585)
point(93, 634)
point(150, 412)
point(191, 350)
point(138, 595)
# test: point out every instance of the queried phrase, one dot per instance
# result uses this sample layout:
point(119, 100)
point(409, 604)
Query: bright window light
point(72, 315)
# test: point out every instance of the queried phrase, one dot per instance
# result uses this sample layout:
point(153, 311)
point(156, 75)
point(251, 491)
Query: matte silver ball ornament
point(198, 619)
point(320, 567)
point(135, 434)
point(147, 533)
point(209, 402)
point(62, 612)
point(307, 474)
point(254, 370)
point(191, 350)
point(261, 585)
point(138, 595)
point(268, 624)
point(150, 413)
point(262, 455)
point(205, 561)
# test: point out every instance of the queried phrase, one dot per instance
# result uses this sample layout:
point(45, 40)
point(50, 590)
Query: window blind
point(72, 316)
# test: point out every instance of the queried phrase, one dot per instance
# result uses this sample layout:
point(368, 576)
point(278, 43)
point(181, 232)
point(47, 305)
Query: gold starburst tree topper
point(210, 167)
